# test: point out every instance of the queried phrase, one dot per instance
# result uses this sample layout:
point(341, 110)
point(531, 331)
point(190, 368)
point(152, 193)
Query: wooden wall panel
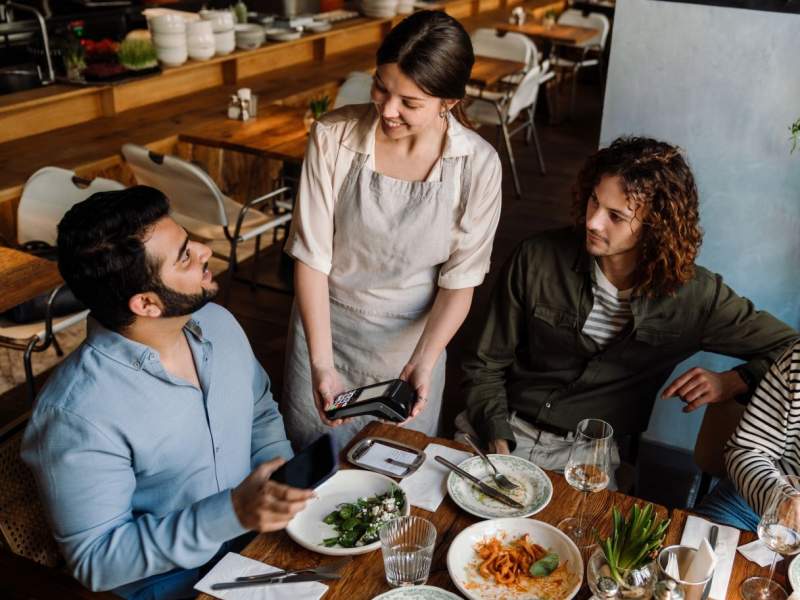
point(171, 84)
point(484, 5)
point(362, 36)
point(61, 112)
point(263, 62)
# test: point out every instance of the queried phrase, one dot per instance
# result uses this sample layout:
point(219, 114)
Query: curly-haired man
point(590, 321)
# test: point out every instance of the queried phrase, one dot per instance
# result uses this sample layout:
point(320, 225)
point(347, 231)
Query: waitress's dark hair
point(434, 50)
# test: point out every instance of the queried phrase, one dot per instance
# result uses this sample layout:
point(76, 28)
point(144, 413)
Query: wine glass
point(779, 529)
point(587, 471)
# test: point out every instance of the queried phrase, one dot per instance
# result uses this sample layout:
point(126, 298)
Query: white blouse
point(333, 143)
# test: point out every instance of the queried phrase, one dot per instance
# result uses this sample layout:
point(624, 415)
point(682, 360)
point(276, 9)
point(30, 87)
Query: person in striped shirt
point(591, 320)
point(764, 447)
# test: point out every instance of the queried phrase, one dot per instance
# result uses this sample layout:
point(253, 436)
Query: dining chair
point(501, 109)
point(204, 211)
point(586, 54)
point(355, 89)
point(719, 423)
point(47, 195)
point(510, 46)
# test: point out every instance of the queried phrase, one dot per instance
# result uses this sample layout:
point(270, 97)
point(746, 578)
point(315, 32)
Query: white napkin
point(758, 552)
point(235, 565)
point(694, 531)
point(376, 456)
point(427, 487)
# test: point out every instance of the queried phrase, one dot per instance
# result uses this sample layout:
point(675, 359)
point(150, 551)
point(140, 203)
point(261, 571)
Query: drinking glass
point(779, 529)
point(407, 546)
point(587, 471)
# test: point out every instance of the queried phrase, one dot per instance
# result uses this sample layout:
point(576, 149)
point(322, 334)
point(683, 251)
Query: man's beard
point(178, 304)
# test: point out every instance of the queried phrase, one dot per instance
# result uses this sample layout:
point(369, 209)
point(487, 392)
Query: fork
point(332, 568)
point(500, 479)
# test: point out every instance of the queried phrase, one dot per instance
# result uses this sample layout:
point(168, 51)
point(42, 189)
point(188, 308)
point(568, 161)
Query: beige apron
point(391, 237)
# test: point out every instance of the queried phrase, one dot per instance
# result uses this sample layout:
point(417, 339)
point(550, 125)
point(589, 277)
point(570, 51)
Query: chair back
point(48, 195)
point(719, 423)
point(525, 94)
point(576, 18)
point(511, 46)
point(23, 526)
point(355, 89)
point(191, 191)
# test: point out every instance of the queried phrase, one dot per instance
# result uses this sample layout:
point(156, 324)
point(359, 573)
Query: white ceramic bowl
point(225, 43)
point(201, 52)
point(318, 26)
point(462, 560)
point(221, 20)
point(167, 23)
point(279, 34)
point(249, 36)
point(199, 28)
point(169, 40)
point(171, 57)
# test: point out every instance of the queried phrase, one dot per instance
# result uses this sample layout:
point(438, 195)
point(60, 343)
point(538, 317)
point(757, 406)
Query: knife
point(486, 489)
point(712, 541)
point(300, 577)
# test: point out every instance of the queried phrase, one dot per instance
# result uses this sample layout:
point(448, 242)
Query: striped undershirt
point(610, 312)
point(766, 443)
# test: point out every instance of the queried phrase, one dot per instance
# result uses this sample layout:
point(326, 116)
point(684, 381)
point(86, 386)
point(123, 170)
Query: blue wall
point(724, 84)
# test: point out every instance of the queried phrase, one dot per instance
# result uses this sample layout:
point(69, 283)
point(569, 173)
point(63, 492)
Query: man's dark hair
point(101, 253)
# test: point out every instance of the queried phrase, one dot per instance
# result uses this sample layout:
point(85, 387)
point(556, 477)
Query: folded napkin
point(235, 565)
point(427, 487)
point(694, 532)
point(758, 552)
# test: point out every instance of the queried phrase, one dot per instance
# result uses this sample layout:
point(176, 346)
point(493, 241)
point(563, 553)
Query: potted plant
point(137, 54)
point(624, 565)
point(316, 108)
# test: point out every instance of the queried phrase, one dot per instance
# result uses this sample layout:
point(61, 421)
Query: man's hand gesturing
point(263, 505)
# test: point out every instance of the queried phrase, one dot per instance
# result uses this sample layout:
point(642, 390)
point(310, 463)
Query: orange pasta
point(509, 563)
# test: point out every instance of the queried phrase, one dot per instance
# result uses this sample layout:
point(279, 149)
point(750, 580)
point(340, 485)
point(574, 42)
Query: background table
point(560, 34)
point(24, 276)
point(487, 70)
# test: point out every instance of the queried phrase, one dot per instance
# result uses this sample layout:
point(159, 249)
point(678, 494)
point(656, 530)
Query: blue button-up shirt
point(134, 465)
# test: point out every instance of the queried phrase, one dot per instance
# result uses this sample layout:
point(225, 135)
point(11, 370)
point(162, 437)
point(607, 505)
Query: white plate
point(348, 485)
point(794, 573)
point(318, 26)
point(534, 492)
point(278, 34)
point(462, 560)
point(418, 592)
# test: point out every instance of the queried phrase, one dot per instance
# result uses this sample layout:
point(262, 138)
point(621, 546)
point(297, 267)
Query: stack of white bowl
point(200, 40)
point(168, 32)
point(379, 9)
point(222, 23)
point(405, 7)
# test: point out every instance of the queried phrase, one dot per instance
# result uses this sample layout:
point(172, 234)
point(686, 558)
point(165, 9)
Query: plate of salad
point(349, 510)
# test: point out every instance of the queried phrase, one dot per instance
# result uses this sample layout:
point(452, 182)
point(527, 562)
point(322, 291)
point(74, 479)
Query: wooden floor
point(546, 203)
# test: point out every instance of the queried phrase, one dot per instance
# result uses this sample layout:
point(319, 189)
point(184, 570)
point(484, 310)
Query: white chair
point(355, 89)
point(204, 211)
point(47, 196)
point(510, 46)
point(501, 110)
point(590, 53)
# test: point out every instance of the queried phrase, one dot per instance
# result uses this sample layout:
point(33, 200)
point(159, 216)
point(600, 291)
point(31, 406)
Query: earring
point(443, 113)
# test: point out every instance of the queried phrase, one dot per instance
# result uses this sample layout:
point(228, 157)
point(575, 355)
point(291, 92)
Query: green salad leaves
point(357, 523)
point(545, 565)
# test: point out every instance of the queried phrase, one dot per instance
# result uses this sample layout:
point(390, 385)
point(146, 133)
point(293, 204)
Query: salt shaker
point(244, 99)
point(234, 107)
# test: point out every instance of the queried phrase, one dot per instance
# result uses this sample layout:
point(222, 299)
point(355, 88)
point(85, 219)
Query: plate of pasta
point(515, 559)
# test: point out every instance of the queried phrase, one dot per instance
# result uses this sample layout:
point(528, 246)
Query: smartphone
point(310, 467)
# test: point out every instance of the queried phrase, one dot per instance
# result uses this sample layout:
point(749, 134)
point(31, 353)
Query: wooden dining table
point(557, 34)
point(364, 577)
point(24, 276)
point(281, 132)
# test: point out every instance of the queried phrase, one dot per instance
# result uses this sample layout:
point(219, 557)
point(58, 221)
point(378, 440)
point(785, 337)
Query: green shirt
point(533, 359)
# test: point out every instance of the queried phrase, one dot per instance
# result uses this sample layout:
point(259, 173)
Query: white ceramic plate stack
point(249, 36)
point(168, 32)
point(379, 9)
point(405, 7)
point(200, 39)
point(222, 24)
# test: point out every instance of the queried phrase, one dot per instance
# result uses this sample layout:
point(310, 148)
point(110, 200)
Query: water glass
point(407, 546)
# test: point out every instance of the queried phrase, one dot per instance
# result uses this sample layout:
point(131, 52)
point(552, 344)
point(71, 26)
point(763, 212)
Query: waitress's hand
point(327, 384)
point(419, 378)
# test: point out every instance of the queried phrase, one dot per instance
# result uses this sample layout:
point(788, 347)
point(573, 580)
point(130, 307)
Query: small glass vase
point(638, 584)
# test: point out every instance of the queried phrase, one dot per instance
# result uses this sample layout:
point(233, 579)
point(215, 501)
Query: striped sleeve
point(766, 443)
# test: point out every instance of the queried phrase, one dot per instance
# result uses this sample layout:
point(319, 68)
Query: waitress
point(393, 228)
